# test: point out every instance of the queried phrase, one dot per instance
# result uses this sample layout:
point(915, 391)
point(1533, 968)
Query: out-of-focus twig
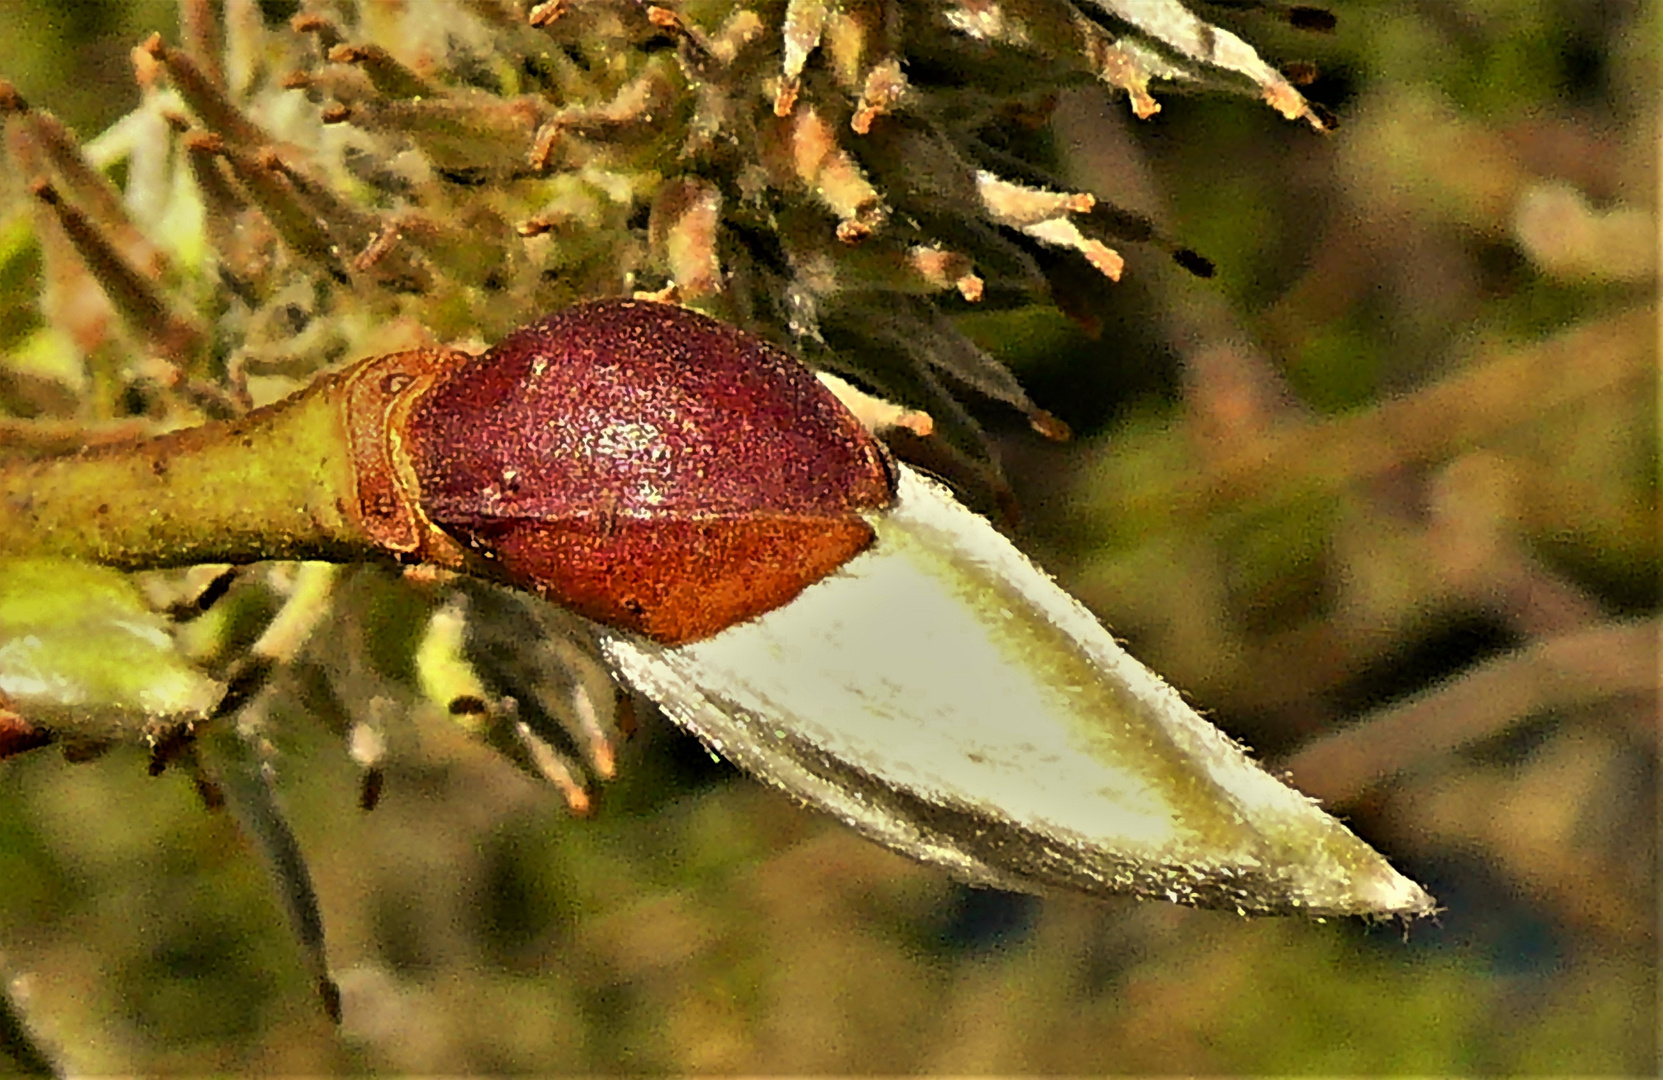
point(1597, 664)
point(43, 438)
point(1477, 403)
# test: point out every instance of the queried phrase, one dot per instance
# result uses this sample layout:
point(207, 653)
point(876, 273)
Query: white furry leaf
point(943, 696)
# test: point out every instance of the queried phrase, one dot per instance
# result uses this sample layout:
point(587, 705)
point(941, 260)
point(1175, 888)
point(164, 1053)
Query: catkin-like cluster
point(362, 178)
point(376, 175)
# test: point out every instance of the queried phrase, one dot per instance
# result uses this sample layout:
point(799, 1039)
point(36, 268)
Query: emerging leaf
point(78, 644)
point(942, 695)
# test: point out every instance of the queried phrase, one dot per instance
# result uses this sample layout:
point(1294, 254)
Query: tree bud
point(646, 466)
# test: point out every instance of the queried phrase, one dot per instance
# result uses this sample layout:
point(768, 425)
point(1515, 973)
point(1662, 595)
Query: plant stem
point(275, 484)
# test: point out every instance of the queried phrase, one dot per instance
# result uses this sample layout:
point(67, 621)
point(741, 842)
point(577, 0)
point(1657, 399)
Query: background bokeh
point(1380, 497)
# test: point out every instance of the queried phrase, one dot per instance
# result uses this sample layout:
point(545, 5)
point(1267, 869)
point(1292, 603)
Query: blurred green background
point(1380, 497)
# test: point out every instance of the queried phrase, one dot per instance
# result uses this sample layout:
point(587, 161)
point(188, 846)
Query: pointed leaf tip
point(943, 696)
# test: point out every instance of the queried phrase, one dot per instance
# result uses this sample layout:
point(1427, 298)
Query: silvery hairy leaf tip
point(943, 696)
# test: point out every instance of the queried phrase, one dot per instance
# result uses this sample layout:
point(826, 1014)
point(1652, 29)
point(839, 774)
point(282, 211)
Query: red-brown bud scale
point(646, 466)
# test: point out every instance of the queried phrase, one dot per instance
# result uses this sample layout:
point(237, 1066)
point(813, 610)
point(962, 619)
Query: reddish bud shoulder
point(647, 466)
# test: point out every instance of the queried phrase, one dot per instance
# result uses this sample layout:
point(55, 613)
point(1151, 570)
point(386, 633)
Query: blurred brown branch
point(1588, 666)
point(1492, 395)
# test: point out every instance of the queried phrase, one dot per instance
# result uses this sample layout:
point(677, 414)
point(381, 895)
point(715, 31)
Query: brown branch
point(1581, 668)
point(1458, 412)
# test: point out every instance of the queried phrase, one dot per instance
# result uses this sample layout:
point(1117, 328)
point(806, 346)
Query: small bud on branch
point(644, 465)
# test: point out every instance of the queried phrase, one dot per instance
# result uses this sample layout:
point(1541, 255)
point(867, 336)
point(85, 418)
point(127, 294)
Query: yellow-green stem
point(275, 484)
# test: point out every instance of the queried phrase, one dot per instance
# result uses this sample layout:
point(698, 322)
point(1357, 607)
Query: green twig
point(276, 484)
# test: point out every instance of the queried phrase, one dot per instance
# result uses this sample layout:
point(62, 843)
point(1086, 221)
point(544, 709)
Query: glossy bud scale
point(648, 467)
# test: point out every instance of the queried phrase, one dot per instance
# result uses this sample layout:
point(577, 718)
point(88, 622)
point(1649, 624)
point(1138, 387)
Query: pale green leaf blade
point(81, 653)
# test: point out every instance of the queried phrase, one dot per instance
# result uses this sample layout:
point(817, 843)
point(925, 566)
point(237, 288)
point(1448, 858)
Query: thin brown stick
point(1461, 411)
point(1585, 667)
